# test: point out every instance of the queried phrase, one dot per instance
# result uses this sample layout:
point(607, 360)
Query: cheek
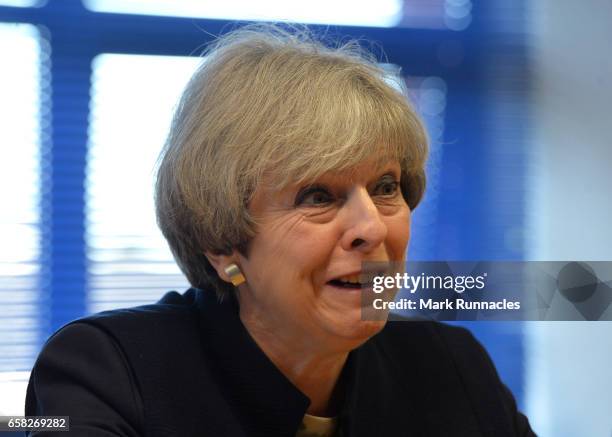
point(310, 249)
point(294, 247)
point(399, 234)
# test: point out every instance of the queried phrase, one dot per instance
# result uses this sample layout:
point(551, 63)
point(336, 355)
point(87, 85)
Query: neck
point(313, 370)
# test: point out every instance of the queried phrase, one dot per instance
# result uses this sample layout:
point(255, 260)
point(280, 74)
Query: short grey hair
point(275, 101)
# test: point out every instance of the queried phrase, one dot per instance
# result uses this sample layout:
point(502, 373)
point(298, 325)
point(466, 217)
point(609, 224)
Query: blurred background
point(515, 94)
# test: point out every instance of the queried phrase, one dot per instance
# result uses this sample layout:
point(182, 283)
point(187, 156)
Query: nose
point(365, 230)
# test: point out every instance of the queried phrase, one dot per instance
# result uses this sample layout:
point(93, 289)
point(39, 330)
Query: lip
point(368, 286)
point(370, 273)
point(355, 272)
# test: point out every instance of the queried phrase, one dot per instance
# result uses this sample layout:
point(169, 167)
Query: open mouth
point(356, 281)
point(351, 282)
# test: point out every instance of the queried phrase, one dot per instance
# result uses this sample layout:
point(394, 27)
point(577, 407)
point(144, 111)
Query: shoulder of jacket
point(172, 305)
point(156, 325)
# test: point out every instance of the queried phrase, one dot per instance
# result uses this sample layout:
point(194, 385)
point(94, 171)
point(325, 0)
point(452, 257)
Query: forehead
point(361, 173)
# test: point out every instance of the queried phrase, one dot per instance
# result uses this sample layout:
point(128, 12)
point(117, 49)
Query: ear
point(222, 264)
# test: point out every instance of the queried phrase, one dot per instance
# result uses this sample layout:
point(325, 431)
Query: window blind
point(21, 3)
point(22, 78)
point(428, 95)
point(382, 13)
point(434, 14)
point(132, 100)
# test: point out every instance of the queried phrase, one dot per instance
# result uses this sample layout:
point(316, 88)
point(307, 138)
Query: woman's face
point(309, 237)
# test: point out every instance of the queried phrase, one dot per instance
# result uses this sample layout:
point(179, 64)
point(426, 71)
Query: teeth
point(350, 278)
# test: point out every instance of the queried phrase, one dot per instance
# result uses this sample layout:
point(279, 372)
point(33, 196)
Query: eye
point(313, 196)
point(387, 187)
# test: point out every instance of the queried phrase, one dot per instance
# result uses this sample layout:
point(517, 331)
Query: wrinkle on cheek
point(281, 227)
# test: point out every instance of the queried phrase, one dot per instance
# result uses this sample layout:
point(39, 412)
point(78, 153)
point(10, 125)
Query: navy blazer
point(187, 366)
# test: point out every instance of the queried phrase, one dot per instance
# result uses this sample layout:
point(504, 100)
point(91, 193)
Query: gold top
point(316, 426)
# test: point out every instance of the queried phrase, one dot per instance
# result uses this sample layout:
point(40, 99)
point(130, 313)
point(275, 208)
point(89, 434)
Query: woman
point(288, 165)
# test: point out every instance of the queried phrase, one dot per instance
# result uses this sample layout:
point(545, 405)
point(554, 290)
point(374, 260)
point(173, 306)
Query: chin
point(358, 332)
